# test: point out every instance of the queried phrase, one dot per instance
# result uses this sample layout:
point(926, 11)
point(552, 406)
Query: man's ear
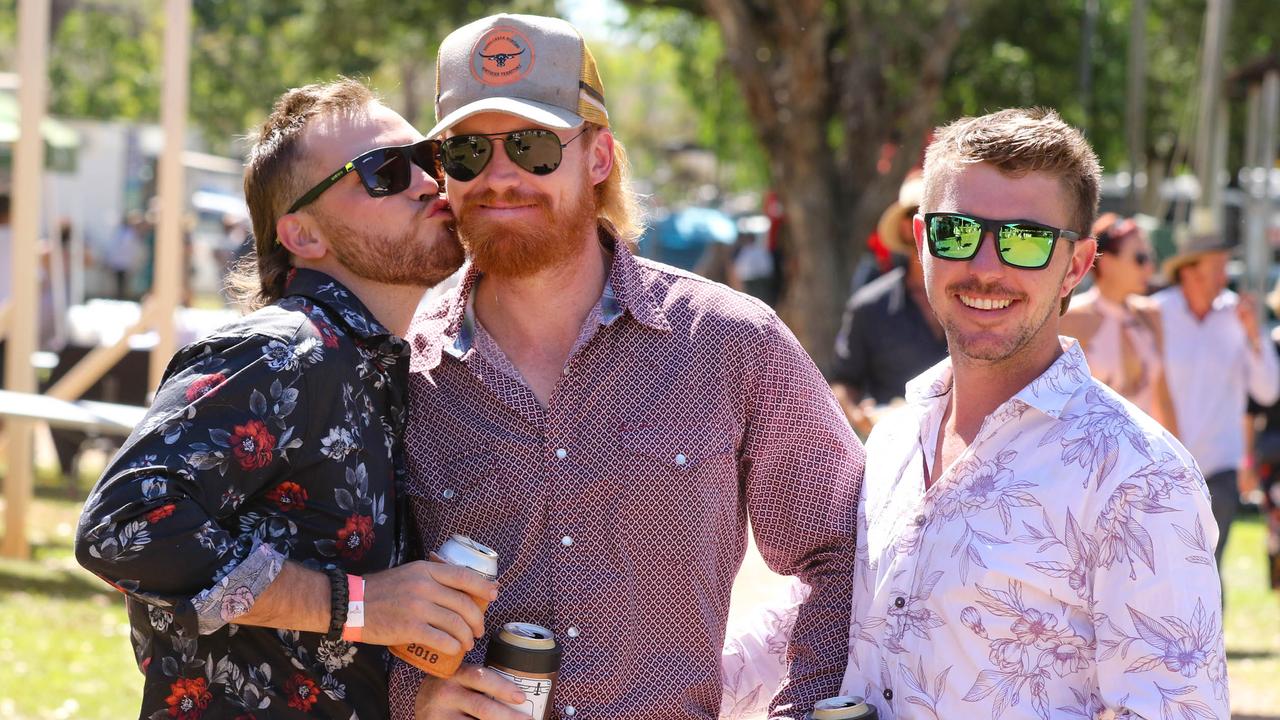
point(917, 230)
point(1083, 253)
point(296, 232)
point(600, 157)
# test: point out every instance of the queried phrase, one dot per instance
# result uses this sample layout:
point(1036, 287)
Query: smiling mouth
point(978, 303)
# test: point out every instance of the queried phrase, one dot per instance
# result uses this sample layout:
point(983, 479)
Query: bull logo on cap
point(501, 56)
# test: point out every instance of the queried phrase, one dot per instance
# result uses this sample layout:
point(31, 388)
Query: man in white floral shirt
point(1030, 545)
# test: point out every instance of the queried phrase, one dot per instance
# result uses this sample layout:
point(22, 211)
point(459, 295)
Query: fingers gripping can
point(529, 656)
point(457, 550)
point(843, 707)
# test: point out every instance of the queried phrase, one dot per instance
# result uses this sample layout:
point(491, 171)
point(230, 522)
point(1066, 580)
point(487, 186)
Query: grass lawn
point(1252, 624)
point(65, 645)
point(65, 648)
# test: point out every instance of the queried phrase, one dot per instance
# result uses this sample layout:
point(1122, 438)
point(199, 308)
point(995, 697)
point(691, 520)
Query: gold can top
point(842, 707)
point(528, 636)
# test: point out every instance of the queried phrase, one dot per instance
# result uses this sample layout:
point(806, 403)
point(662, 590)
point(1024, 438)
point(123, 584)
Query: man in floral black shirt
point(265, 480)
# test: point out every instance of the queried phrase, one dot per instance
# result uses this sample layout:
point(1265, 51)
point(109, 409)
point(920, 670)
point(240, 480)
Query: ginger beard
point(518, 249)
point(404, 259)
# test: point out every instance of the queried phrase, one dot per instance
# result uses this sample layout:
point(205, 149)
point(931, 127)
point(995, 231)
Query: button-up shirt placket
point(567, 530)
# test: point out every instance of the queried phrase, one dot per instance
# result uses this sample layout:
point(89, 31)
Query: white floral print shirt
point(1062, 567)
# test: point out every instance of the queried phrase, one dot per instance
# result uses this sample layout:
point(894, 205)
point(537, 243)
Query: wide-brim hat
point(889, 226)
point(1192, 249)
point(534, 67)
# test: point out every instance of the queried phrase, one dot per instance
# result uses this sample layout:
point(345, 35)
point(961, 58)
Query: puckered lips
point(438, 207)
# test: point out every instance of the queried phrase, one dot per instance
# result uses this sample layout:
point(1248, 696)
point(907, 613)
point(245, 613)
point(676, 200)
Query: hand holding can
point(463, 551)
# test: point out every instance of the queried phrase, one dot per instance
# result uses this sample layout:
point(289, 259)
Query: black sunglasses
point(1021, 244)
point(537, 151)
point(383, 171)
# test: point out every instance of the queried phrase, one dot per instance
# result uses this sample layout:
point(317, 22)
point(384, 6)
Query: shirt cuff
point(235, 593)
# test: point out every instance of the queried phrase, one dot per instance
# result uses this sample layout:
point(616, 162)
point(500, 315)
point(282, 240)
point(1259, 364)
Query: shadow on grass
point(1250, 654)
point(65, 584)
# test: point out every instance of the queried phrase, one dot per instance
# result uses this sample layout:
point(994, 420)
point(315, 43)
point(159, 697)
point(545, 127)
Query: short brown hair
point(273, 181)
point(1018, 141)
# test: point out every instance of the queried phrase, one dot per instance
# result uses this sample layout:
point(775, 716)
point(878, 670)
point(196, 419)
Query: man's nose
point(422, 185)
point(987, 260)
point(501, 173)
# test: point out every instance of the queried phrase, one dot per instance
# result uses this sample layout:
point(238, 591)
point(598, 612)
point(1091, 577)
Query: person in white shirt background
point(1029, 543)
point(1215, 359)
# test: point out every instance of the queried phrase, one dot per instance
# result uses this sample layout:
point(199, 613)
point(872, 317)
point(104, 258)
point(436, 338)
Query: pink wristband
point(355, 609)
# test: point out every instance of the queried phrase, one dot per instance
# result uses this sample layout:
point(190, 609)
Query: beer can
point(843, 707)
point(462, 550)
point(529, 656)
point(457, 550)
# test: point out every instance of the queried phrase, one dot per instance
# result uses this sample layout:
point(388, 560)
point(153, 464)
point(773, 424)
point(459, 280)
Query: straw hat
point(1190, 250)
point(909, 196)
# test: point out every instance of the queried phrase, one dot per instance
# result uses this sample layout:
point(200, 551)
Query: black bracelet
point(338, 597)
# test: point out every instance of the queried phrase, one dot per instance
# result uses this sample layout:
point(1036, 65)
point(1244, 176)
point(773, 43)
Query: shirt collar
point(1049, 393)
point(625, 291)
point(334, 296)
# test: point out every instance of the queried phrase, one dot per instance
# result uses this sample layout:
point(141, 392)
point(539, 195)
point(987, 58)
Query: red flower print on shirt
point(288, 496)
point(204, 385)
point(356, 537)
point(160, 513)
point(252, 444)
point(302, 692)
point(188, 698)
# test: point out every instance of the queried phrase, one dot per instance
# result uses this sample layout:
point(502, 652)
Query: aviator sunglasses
point(383, 171)
point(537, 151)
point(1019, 243)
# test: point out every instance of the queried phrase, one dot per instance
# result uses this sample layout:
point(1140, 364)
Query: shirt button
point(899, 602)
point(562, 453)
point(888, 694)
point(447, 494)
point(919, 520)
point(572, 632)
point(681, 459)
point(570, 710)
point(566, 541)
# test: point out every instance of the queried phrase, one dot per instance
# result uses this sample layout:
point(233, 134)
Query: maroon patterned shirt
point(620, 510)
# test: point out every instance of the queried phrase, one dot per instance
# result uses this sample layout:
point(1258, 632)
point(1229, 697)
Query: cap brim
point(535, 112)
point(887, 229)
point(1171, 266)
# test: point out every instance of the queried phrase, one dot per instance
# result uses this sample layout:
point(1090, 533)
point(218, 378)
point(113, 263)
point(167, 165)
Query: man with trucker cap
point(607, 424)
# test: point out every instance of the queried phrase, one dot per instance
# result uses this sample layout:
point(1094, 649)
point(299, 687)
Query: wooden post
point(28, 171)
point(1206, 216)
point(100, 360)
point(171, 260)
point(1135, 110)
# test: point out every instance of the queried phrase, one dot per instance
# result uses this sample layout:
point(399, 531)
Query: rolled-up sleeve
point(156, 525)
point(803, 467)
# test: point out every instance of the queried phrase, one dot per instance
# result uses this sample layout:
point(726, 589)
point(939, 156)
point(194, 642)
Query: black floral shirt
point(278, 437)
